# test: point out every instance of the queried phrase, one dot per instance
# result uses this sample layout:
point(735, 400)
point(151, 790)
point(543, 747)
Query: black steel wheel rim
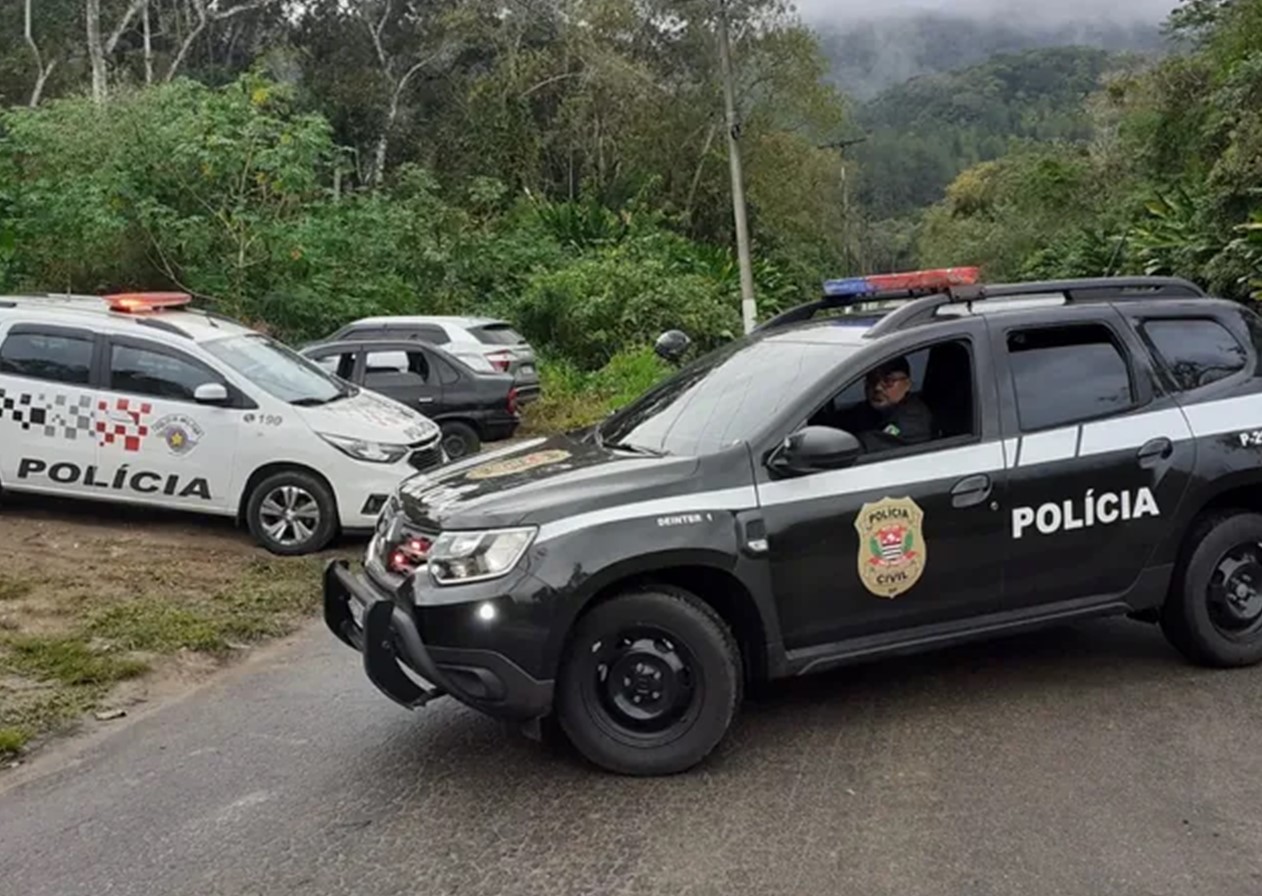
point(644, 681)
point(455, 445)
point(1235, 592)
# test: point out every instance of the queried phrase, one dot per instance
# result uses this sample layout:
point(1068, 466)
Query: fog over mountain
point(843, 13)
point(874, 48)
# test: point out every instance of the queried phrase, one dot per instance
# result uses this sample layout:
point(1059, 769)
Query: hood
point(536, 482)
point(371, 417)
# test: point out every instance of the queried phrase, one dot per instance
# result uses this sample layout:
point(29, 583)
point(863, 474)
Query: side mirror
point(814, 449)
point(210, 393)
point(671, 345)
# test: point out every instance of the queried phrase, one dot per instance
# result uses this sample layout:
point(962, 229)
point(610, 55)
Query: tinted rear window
point(1067, 374)
point(497, 334)
point(1195, 352)
point(47, 356)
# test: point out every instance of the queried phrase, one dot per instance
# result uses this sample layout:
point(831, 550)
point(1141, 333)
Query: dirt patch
point(101, 605)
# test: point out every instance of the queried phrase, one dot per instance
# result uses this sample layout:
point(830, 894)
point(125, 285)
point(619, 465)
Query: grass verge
point(71, 633)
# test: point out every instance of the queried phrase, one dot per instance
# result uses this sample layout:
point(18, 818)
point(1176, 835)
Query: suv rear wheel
point(650, 683)
point(292, 513)
point(1213, 614)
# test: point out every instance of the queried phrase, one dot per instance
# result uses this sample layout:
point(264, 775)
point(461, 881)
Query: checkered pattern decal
point(124, 422)
point(71, 417)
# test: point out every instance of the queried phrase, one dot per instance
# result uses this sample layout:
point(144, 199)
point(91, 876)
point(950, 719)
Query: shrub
point(573, 398)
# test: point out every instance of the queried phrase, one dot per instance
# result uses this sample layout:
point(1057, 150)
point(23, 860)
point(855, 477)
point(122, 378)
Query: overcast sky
point(1042, 10)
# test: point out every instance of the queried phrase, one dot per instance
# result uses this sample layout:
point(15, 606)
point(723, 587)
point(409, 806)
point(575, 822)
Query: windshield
point(727, 397)
point(277, 369)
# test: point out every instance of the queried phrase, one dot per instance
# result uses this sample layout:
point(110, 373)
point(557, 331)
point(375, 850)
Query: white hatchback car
point(135, 398)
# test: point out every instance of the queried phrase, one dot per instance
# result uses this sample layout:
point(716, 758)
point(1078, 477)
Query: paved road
point(1082, 761)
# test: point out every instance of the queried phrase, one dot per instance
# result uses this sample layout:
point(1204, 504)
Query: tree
point(41, 71)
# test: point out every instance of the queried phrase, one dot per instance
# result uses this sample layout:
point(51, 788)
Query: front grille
point(426, 458)
point(426, 455)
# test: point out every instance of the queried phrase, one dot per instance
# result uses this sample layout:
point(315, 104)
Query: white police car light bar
point(919, 281)
point(137, 302)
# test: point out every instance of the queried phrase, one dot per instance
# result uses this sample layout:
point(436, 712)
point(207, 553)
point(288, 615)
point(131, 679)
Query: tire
point(658, 637)
point(1213, 614)
point(461, 437)
point(314, 519)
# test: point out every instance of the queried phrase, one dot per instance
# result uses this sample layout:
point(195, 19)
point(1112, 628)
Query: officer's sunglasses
point(887, 380)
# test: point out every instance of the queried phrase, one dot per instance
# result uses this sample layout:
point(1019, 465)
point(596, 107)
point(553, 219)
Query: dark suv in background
point(471, 406)
point(485, 344)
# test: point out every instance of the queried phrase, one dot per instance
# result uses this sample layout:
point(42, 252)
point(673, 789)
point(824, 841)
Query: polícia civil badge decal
point(520, 464)
point(891, 545)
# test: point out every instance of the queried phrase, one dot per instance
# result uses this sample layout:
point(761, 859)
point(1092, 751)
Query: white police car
point(136, 398)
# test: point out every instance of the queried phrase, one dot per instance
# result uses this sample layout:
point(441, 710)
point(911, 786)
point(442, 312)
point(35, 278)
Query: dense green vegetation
point(924, 132)
point(563, 162)
point(1168, 181)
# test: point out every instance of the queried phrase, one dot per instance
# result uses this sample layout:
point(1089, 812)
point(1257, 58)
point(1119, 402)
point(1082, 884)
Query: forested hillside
point(922, 133)
point(563, 162)
point(1168, 181)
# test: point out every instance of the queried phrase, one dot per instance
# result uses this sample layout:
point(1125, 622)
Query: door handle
point(1155, 451)
point(970, 490)
point(424, 401)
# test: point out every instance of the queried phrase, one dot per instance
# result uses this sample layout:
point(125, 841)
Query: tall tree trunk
point(144, 22)
point(96, 50)
point(204, 18)
point(132, 8)
point(200, 6)
point(41, 71)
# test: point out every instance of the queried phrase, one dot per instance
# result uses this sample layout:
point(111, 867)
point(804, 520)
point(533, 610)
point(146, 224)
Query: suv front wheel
point(1213, 614)
point(650, 683)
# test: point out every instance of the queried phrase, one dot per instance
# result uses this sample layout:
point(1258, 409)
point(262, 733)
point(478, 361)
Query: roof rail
point(1066, 291)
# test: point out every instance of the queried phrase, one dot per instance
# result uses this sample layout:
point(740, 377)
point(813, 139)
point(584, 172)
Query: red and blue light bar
point(933, 280)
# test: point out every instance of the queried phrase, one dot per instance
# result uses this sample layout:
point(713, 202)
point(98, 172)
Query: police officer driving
point(892, 416)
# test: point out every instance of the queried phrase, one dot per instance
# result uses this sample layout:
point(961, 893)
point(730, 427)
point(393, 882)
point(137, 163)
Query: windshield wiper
point(634, 449)
point(312, 401)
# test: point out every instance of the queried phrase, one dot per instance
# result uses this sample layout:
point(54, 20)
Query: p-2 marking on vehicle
point(1089, 455)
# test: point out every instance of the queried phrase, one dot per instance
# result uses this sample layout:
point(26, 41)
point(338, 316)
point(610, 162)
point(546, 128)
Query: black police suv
point(471, 406)
point(1095, 449)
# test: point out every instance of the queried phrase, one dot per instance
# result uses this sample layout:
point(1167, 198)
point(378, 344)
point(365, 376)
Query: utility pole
point(749, 310)
point(841, 146)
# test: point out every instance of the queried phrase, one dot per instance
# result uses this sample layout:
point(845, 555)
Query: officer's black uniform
point(907, 423)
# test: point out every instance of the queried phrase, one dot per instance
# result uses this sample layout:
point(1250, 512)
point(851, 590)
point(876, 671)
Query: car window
point(496, 334)
point(1253, 323)
point(1066, 374)
point(395, 368)
point(447, 373)
point(1195, 352)
point(278, 370)
point(47, 356)
point(930, 397)
point(337, 363)
point(142, 372)
point(371, 332)
point(430, 333)
point(725, 398)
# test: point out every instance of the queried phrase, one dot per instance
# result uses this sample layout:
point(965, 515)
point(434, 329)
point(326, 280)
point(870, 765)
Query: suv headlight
point(373, 452)
point(459, 557)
